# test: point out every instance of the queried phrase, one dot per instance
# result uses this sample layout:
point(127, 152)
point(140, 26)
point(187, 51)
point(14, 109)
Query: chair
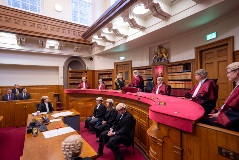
point(131, 140)
point(149, 85)
point(37, 106)
point(169, 89)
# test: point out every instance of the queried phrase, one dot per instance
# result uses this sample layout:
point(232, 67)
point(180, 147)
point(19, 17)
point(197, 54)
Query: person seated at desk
point(119, 82)
point(161, 87)
point(98, 115)
point(71, 148)
point(101, 85)
point(24, 95)
point(137, 81)
point(9, 96)
point(16, 90)
point(46, 105)
point(109, 119)
point(119, 133)
point(205, 92)
point(228, 115)
point(84, 84)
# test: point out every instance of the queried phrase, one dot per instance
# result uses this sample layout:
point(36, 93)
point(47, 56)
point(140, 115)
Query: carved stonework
point(104, 38)
point(77, 48)
point(116, 31)
point(22, 22)
point(21, 40)
point(132, 22)
point(156, 9)
point(61, 45)
point(42, 43)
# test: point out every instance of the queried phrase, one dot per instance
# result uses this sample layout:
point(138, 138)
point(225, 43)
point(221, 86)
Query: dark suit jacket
point(14, 90)
point(110, 116)
point(42, 107)
point(20, 96)
point(100, 112)
point(5, 97)
point(123, 126)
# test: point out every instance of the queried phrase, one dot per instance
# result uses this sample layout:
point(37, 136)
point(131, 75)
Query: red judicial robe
point(162, 89)
point(102, 87)
point(206, 96)
point(137, 82)
point(87, 85)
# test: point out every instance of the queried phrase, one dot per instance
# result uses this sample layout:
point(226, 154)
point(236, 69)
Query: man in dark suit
point(46, 105)
point(9, 96)
point(16, 90)
point(118, 133)
point(24, 95)
point(98, 115)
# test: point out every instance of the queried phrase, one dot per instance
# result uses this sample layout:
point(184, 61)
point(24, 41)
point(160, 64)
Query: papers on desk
point(55, 120)
point(62, 114)
point(57, 132)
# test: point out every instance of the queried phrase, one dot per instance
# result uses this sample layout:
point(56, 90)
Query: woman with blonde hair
point(119, 82)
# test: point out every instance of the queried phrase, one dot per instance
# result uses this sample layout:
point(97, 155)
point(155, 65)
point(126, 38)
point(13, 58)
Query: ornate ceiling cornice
point(116, 9)
point(22, 22)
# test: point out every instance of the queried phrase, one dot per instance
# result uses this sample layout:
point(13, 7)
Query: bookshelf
point(75, 76)
point(107, 78)
point(180, 77)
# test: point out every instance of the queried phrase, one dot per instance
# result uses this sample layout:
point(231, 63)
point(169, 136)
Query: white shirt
point(98, 105)
point(47, 108)
point(198, 87)
point(24, 95)
point(157, 91)
point(100, 86)
point(83, 84)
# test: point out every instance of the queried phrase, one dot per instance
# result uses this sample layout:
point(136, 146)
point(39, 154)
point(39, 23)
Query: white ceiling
point(175, 29)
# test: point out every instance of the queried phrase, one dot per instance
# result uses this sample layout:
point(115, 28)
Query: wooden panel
point(125, 68)
point(236, 56)
point(20, 114)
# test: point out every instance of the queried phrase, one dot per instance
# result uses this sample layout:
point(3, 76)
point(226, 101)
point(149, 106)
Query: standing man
point(205, 92)
point(137, 81)
point(9, 96)
point(84, 84)
point(16, 90)
point(98, 115)
point(24, 95)
point(119, 133)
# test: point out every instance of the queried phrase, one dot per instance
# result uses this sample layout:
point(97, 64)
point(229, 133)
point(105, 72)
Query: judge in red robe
point(205, 92)
point(228, 115)
point(161, 87)
point(84, 84)
point(137, 81)
point(101, 85)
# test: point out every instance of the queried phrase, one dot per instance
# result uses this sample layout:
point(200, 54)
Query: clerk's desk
point(39, 148)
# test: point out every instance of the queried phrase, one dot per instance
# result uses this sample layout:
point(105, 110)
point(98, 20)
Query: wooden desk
point(1, 117)
point(39, 148)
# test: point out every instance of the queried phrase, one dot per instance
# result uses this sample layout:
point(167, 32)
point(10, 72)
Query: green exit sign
point(211, 36)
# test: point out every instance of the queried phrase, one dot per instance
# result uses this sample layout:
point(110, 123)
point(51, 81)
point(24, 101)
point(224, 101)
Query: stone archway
point(73, 63)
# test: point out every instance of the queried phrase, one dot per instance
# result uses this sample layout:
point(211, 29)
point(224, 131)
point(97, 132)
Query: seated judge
point(98, 115)
point(24, 95)
point(109, 119)
point(9, 96)
point(161, 87)
point(205, 92)
point(137, 81)
point(72, 147)
point(84, 84)
point(119, 133)
point(228, 115)
point(119, 82)
point(101, 85)
point(16, 90)
point(45, 105)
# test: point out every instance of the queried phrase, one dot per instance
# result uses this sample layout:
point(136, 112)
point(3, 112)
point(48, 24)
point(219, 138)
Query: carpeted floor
point(12, 142)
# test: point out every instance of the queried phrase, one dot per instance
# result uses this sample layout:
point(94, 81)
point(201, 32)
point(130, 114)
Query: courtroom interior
point(119, 79)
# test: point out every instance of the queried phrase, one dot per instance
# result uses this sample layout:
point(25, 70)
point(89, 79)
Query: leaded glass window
point(82, 12)
point(27, 5)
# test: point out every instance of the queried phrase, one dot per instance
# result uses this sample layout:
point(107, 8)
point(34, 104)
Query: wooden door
point(214, 58)
point(125, 68)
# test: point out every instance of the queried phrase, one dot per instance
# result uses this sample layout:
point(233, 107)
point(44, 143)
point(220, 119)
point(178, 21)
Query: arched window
point(82, 12)
point(27, 5)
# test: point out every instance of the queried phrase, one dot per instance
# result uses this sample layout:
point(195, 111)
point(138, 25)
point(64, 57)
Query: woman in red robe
point(228, 115)
point(161, 87)
point(138, 81)
point(101, 85)
point(205, 92)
